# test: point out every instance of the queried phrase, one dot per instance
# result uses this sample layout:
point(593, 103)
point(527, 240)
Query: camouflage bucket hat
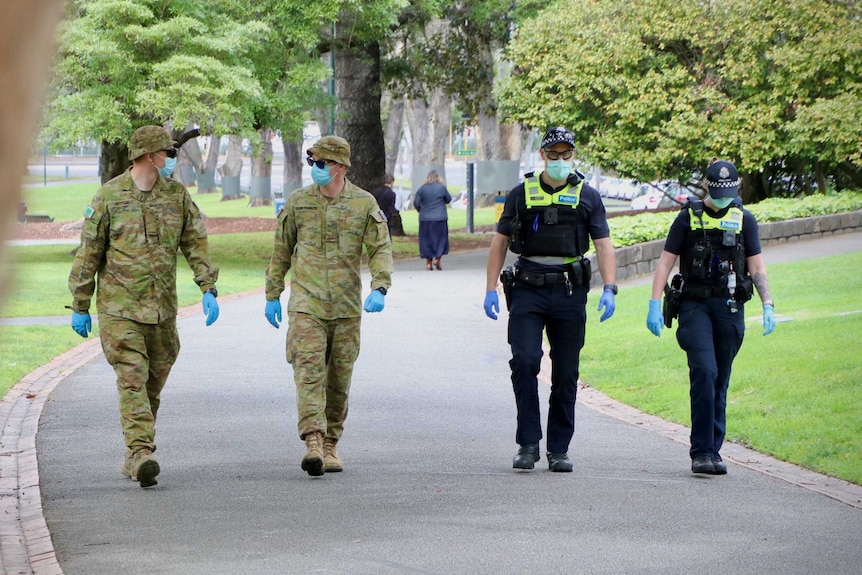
point(331, 148)
point(149, 139)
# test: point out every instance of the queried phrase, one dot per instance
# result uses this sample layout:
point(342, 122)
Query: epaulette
point(529, 175)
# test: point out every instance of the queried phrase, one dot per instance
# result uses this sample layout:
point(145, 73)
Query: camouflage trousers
point(142, 356)
point(322, 353)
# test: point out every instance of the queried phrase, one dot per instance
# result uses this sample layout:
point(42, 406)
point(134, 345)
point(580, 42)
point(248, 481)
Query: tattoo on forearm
point(762, 286)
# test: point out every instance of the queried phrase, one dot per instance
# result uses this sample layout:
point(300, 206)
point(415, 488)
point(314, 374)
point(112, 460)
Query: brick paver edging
point(25, 542)
point(838, 489)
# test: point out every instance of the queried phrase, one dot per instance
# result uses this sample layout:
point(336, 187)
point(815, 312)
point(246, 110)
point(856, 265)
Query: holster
point(744, 289)
point(672, 296)
point(580, 272)
point(507, 278)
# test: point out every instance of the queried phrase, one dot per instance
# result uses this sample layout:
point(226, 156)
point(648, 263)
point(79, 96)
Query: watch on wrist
point(213, 291)
point(612, 288)
point(382, 290)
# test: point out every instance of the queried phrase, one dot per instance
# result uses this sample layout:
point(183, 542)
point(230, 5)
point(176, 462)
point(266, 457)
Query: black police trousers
point(711, 336)
point(534, 309)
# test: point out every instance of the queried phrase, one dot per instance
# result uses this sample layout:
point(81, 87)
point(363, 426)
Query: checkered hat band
point(714, 184)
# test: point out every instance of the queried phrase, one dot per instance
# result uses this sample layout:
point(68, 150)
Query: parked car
point(667, 195)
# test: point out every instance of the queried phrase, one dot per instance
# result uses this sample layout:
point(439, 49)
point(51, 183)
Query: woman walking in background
point(431, 201)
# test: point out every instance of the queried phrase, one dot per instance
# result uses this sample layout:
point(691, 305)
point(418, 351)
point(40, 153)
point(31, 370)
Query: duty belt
point(541, 279)
point(578, 273)
point(696, 290)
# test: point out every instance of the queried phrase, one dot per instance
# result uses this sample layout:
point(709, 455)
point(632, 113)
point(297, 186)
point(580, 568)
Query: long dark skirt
point(433, 239)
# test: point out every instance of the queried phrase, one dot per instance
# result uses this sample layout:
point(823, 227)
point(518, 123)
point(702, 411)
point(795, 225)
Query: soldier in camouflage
point(133, 229)
point(320, 236)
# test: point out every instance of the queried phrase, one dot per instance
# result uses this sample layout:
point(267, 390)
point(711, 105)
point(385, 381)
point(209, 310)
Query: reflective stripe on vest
point(731, 221)
point(537, 197)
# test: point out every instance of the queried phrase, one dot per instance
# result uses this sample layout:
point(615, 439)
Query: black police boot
point(720, 467)
point(526, 457)
point(703, 464)
point(559, 462)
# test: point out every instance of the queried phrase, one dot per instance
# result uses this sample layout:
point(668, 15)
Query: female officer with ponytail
point(718, 245)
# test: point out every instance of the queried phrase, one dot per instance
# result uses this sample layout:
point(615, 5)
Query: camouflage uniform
point(129, 242)
point(321, 240)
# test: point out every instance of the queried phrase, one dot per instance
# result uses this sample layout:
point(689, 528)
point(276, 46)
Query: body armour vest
point(714, 249)
point(550, 224)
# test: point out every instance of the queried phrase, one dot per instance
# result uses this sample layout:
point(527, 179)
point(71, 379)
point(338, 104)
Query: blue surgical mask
point(321, 176)
point(170, 164)
point(720, 203)
point(559, 169)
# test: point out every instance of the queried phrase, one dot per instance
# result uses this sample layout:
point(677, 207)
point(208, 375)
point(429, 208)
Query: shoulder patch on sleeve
point(88, 212)
point(383, 215)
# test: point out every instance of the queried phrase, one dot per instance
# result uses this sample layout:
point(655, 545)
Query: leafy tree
point(657, 88)
point(360, 27)
point(288, 68)
point(453, 57)
point(128, 63)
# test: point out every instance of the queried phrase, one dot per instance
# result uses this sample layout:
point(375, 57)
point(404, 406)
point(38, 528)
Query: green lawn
point(66, 202)
point(796, 394)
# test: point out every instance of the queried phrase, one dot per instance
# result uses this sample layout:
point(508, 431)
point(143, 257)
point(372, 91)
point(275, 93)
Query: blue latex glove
point(210, 308)
point(492, 304)
point(273, 312)
point(608, 302)
point(81, 323)
point(768, 319)
point(374, 302)
point(655, 319)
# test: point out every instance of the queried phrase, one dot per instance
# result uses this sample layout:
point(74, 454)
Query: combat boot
point(128, 469)
point(312, 463)
point(331, 462)
point(144, 467)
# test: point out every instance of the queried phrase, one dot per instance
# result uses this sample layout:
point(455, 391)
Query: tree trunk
point(357, 116)
point(231, 169)
point(188, 160)
point(852, 172)
point(113, 160)
point(206, 175)
point(260, 193)
point(429, 132)
point(393, 130)
point(820, 177)
point(292, 179)
point(751, 188)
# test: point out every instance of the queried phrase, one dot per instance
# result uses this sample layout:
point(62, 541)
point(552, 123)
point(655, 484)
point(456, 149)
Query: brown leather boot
point(145, 467)
point(312, 463)
point(128, 469)
point(331, 462)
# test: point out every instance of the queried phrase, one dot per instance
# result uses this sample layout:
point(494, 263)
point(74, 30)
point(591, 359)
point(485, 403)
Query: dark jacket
point(431, 201)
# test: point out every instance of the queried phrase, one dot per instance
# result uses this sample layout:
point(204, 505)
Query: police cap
point(331, 148)
point(149, 139)
point(558, 135)
point(722, 180)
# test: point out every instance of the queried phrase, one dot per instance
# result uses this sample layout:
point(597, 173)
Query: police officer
point(321, 232)
point(548, 221)
point(718, 246)
point(133, 229)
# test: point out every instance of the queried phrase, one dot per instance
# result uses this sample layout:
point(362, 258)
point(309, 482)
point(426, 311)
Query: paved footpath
point(428, 486)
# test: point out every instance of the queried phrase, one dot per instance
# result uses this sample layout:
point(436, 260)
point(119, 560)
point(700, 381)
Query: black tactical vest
point(550, 224)
point(713, 250)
